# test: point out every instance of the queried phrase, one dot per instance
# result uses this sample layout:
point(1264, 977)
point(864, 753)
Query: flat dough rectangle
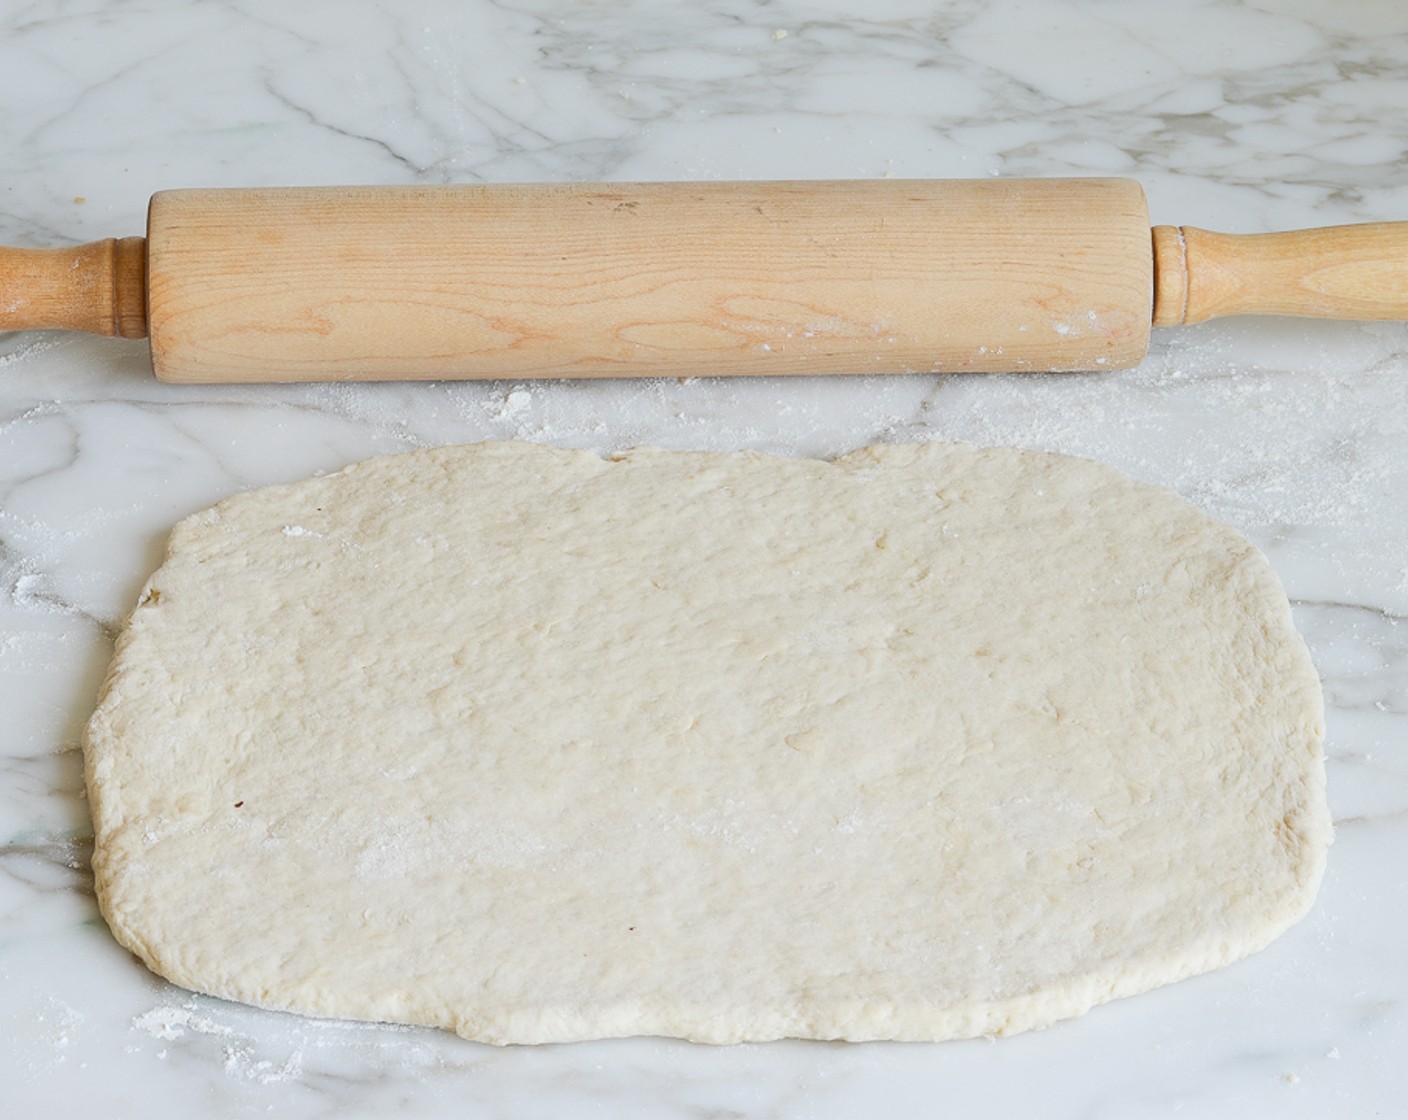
point(927, 742)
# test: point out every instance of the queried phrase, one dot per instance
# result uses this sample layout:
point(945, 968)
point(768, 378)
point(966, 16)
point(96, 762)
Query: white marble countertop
point(1235, 115)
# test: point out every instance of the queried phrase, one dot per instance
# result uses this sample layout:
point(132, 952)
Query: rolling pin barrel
point(648, 279)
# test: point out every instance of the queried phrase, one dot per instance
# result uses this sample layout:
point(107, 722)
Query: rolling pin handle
point(1336, 272)
point(100, 287)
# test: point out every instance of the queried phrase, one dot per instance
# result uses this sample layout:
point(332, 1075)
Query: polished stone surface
point(1234, 115)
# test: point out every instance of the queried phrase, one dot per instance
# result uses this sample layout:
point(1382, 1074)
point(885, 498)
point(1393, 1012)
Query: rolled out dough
point(923, 743)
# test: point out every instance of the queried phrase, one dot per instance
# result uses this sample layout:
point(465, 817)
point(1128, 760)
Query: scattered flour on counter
point(240, 1062)
point(1251, 446)
point(239, 1057)
point(170, 1023)
point(32, 591)
point(28, 591)
point(56, 1026)
point(512, 404)
point(29, 349)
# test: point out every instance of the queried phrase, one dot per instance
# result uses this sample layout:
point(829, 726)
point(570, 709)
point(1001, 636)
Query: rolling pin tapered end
point(100, 288)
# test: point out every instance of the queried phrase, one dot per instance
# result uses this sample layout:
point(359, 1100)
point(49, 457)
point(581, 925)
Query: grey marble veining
point(1234, 115)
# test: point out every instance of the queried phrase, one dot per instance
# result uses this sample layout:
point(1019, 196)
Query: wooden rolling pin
point(371, 283)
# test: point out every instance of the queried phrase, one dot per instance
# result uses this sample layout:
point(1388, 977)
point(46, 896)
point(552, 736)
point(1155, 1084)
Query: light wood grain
point(648, 279)
point(99, 287)
point(1335, 272)
point(364, 283)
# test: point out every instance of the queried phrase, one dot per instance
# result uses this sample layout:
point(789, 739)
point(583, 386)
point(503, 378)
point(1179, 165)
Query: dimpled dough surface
point(923, 743)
